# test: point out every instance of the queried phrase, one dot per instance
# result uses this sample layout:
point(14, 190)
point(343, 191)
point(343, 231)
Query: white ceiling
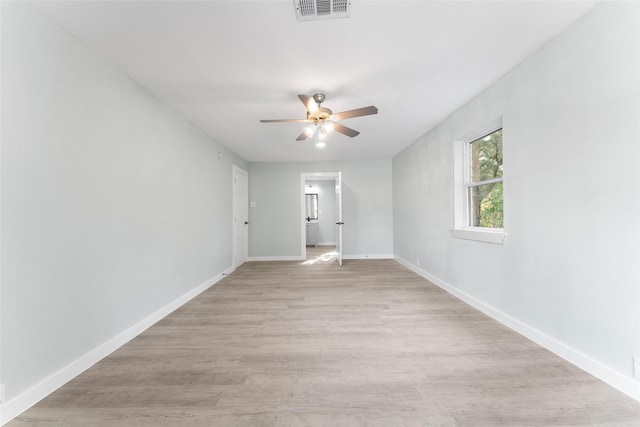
point(224, 65)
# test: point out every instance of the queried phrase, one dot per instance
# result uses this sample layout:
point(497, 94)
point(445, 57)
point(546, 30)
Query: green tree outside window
point(486, 188)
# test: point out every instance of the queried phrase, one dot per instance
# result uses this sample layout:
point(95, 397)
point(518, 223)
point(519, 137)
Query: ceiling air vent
point(311, 10)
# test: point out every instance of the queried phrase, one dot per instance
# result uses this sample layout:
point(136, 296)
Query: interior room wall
point(567, 274)
point(326, 191)
point(113, 206)
point(275, 229)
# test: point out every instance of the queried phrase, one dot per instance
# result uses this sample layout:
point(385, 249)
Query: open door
point(240, 216)
point(339, 222)
point(322, 176)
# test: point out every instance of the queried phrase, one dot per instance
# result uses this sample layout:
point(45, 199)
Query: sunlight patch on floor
point(321, 259)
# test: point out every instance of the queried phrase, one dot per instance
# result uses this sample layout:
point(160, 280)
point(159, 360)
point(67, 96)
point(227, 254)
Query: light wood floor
point(366, 344)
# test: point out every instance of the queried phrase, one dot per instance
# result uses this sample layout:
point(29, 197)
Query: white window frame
point(462, 178)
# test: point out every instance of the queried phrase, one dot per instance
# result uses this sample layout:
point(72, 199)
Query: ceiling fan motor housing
point(321, 114)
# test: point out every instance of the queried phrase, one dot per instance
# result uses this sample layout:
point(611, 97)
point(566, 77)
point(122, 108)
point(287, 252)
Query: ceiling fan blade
point(302, 136)
point(345, 130)
point(286, 121)
point(364, 111)
point(308, 102)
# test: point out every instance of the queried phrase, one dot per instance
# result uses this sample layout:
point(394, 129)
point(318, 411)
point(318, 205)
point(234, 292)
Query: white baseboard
point(621, 382)
point(275, 258)
point(298, 258)
point(30, 397)
point(368, 256)
point(326, 243)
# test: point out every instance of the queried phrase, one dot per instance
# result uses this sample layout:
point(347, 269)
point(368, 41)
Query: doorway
point(325, 190)
point(240, 216)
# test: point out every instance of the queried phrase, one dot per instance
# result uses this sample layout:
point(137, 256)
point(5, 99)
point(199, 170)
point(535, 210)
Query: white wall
point(274, 224)
point(326, 191)
point(113, 206)
point(568, 272)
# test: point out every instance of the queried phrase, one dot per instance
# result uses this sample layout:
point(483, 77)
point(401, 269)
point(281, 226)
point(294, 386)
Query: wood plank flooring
point(366, 344)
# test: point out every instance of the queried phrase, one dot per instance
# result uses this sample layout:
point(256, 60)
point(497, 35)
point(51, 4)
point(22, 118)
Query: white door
point(240, 216)
point(339, 222)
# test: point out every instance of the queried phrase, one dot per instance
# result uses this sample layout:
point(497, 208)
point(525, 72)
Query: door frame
point(304, 177)
point(234, 240)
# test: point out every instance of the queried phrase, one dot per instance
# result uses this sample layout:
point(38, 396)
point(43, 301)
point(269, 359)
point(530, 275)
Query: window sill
point(496, 237)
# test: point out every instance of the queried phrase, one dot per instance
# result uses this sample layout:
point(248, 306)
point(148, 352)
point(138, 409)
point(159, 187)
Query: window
point(479, 200)
point(484, 185)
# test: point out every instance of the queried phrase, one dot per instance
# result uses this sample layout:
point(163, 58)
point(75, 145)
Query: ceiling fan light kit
point(323, 120)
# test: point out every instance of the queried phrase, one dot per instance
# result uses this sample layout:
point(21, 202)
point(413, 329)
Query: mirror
point(311, 207)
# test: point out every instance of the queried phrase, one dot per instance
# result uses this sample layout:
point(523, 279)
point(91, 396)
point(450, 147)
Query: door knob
point(339, 223)
point(246, 222)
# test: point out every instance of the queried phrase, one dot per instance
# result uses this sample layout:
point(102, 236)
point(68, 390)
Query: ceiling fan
point(322, 120)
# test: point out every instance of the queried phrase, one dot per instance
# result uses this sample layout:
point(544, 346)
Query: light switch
point(252, 204)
